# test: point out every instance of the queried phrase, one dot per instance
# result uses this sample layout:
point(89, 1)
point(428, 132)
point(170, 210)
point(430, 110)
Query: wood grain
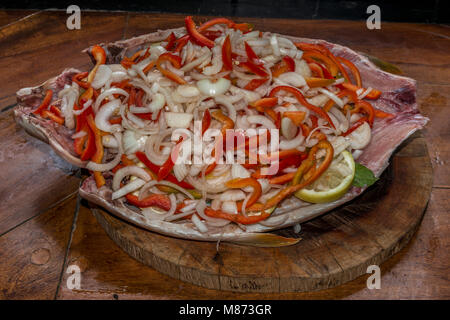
point(32, 255)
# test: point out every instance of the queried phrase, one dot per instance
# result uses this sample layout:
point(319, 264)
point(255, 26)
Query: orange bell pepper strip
point(353, 69)
point(301, 99)
point(316, 69)
point(244, 182)
point(199, 38)
point(78, 79)
point(206, 121)
point(56, 110)
point(45, 102)
point(282, 179)
point(170, 41)
point(99, 55)
point(309, 163)
point(318, 82)
point(50, 115)
point(176, 62)
point(227, 122)
point(287, 64)
point(154, 200)
point(367, 108)
point(255, 83)
point(372, 95)
point(311, 56)
point(382, 114)
point(265, 102)
point(180, 43)
point(226, 54)
point(99, 152)
point(296, 117)
point(344, 93)
point(237, 218)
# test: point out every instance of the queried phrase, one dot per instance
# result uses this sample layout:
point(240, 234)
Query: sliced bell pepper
point(196, 35)
point(254, 68)
point(78, 79)
point(301, 99)
point(318, 82)
point(355, 126)
point(99, 55)
point(176, 62)
point(372, 95)
point(255, 83)
point(50, 115)
point(382, 114)
point(45, 102)
point(168, 165)
point(343, 93)
point(154, 200)
point(285, 178)
point(206, 121)
point(298, 182)
point(237, 218)
point(99, 151)
point(311, 56)
point(287, 64)
point(227, 122)
point(353, 69)
point(226, 54)
point(265, 102)
point(155, 168)
point(180, 43)
point(251, 55)
point(56, 110)
point(316, 69)
point(296, 117)
point(366, 108)
point(170, 41)
point(244, 182)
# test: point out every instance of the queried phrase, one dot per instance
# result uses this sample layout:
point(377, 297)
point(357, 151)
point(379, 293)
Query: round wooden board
point(335, 248)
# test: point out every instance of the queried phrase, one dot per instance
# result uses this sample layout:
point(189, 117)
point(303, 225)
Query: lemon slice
point(333, 183)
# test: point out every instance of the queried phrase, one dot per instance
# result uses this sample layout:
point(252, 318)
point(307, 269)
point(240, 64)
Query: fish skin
point(398, 97)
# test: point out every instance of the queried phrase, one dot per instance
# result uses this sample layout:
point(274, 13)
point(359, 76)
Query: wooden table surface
point(44, 227)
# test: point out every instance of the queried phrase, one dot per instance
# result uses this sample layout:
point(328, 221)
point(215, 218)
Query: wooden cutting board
point(335, 248)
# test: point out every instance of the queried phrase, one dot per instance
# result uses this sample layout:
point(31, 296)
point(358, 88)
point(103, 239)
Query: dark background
point(427, 11)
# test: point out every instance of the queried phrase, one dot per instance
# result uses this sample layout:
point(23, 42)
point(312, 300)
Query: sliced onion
point(109, 141)
point(196, 62)
point(226, 101)
point(199, 224)
point(127, 171)
point(238, 171)
point(101, 76)
point(332, 96)
point(128, 188)
point(294, 143)
point(212, 89)
point(178, 119)
point(292, 79)
point(108, 93)
point(158, 102)
point(274, 45)
point(77, 135)
point(288, 128)
point(108, 166)
point(262, 120)
point(68, 102)
point(229, 207)
point(152, 183)
point(188, 91)
point(103, 115)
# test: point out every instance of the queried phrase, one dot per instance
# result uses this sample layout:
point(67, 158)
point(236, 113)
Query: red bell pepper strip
point(244, 182)
point(168, 165)
point(318, 82)
point(170, 41)
point(298, 182)
point(355, 126)
point(227, 122)
point(78, 79)
point(52, 116)
point(56, 110)
point(251, 55)
point(154, 200)
point(316, 69)
point(287, 64)
point(155, 168)
point(254, 68)
point(344, 93)
point(176, 62)
point(237, 218)
point(311, 56)
point(196, 35)
point(255, 83)
point(226, 54)
point(244, 27)
point(99, 151)
point(285, 162)
point(353, 69)
point(45, 102)
point(206, 121)
point(180, 43)
point(301, 99)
